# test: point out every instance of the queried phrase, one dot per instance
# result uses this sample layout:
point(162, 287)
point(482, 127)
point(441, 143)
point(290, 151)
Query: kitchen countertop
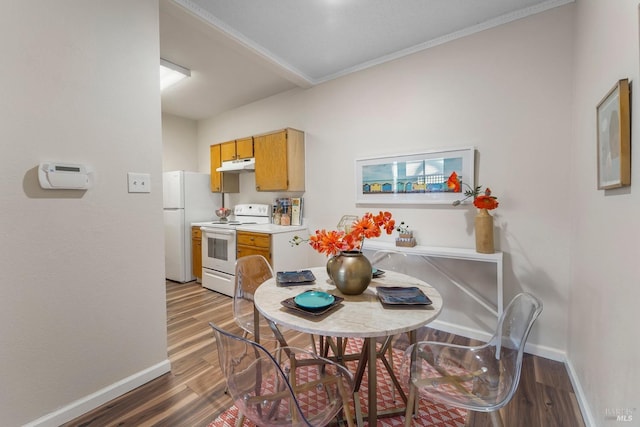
point(201, 224)
point(260, 228)
point(271, 228)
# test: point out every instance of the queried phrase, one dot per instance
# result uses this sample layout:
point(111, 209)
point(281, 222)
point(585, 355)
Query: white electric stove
point(219, 245)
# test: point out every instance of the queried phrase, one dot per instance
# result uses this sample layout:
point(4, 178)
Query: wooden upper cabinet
point(237, 149)
point(280, 160)
point(221, 182)
point(244, 148)
point(228, 151)
point(216, 162)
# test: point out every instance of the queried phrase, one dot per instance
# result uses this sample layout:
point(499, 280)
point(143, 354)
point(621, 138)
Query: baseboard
point(535, 349)
point(587, 416)
point(94, 400)
point(463, 331)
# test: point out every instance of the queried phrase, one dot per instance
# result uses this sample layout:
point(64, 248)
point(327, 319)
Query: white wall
point(82, 299)
point(603, 347)
point(179, 143)
point(506, 91)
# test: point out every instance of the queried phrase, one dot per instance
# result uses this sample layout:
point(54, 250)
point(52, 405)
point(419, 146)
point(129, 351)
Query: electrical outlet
point(139, 182)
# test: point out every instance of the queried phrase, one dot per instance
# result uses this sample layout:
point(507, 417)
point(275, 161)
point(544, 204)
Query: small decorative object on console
point(405, 237)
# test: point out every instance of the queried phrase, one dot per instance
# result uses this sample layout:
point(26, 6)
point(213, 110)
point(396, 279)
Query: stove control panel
point(252, 210)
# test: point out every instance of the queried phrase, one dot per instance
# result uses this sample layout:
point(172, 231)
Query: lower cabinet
point(196, 252)
point(249, 243)
point(275, 247)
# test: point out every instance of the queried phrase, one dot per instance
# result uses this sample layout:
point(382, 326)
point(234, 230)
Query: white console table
point(427, 252)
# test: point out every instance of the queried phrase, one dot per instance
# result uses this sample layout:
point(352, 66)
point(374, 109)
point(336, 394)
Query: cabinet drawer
point(254, 239)
point(196, 233)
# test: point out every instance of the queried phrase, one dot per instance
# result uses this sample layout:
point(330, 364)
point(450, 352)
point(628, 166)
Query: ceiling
point(242, 51)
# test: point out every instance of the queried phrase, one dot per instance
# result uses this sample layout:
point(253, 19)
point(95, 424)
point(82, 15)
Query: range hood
point(238, 165)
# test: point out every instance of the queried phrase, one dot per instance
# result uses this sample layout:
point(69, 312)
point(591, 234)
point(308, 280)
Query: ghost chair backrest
point(251, 272)
point(387, 259)
point(285, 387)
point(479, 378)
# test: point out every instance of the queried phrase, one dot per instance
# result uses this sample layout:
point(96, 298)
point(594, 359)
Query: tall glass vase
point(350, 272)
point(484, 232)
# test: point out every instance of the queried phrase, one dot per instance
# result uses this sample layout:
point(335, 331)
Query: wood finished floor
point(192, 394)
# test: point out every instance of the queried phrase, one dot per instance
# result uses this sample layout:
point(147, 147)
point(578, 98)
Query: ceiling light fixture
point(171, 73)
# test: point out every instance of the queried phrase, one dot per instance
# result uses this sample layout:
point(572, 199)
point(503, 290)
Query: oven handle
point(218, 231)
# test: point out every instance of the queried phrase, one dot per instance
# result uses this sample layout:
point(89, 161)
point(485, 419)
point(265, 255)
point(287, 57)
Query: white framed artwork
point(415, 178)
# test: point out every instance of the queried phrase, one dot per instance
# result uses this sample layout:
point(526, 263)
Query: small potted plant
point(405, 236)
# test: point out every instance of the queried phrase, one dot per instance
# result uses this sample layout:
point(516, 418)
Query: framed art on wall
point(614, 137)
point(417, 178)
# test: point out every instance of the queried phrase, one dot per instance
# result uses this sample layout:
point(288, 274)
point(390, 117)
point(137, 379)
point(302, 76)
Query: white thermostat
point(63, 176)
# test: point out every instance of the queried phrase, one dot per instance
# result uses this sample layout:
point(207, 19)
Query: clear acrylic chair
point(479, 378)
point(286, 387)
point(251, 272)
point(387, 259)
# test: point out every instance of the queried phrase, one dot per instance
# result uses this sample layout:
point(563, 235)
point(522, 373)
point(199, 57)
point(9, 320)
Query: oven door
point(219, 249)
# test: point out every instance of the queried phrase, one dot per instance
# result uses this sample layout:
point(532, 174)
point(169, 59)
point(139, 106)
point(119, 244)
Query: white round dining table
point(357, 316)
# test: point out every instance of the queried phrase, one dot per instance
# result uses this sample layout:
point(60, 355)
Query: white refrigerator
point(187, 198)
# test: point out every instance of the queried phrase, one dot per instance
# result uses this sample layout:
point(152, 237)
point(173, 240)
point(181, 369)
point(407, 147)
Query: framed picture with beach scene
point(416, 178)
point(614, 137)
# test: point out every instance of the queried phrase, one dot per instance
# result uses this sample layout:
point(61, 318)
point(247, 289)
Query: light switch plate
point(139, 182)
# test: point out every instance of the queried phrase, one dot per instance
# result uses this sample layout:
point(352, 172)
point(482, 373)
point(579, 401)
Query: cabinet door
point(271, 161)
point(216, 177)
point(244, 148)
point(253, 250)
point(221, 182)
point(228, 151)
point(196, 251)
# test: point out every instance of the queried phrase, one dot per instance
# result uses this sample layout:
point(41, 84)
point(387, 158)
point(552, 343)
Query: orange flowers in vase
point(483, 221)
point(335, 241)
point(480, 201)
point(349, 269)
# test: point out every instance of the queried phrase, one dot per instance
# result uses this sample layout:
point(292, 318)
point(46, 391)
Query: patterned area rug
point(430, 414)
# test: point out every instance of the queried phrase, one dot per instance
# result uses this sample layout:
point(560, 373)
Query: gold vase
point(350, 272)
point(484, 232)
point(330, 263)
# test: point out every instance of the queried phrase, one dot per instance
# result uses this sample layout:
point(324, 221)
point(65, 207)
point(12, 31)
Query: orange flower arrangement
point(335, 241)
point(482, 201)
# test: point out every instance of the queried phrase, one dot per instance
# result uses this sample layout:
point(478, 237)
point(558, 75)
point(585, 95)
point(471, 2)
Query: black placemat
point(292, 278)
point(398, 295)
point(291, 304)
